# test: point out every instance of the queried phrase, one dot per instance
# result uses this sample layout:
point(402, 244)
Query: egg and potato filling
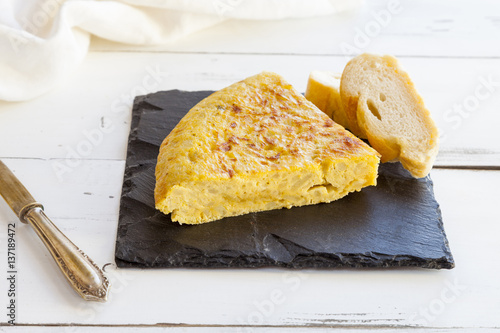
point(257, 145)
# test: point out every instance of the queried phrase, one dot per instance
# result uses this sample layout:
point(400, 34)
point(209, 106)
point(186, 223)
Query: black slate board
point(396, 223)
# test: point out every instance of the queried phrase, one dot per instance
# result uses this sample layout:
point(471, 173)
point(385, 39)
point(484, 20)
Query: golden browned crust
point(323, 90)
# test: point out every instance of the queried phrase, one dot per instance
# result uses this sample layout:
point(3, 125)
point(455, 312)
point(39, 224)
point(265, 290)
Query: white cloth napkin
point(42, 41)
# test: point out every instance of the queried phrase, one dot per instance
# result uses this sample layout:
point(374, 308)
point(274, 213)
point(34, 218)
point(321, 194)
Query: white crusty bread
point(376, 100)
point(323, 90)
point(382, 104)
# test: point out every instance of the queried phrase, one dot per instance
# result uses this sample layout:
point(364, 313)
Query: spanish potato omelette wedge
point(257, 145)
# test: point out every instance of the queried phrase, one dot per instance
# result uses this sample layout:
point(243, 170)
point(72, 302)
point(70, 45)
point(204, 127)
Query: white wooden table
point(56, 145)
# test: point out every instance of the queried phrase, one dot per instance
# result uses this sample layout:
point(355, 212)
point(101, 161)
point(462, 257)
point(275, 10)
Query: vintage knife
point(81, 272)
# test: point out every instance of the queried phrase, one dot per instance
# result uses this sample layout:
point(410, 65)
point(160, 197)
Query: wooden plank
point(87, 117)
point(468, 158)
point(242, 329)
point(85, 207)
point(400, 27)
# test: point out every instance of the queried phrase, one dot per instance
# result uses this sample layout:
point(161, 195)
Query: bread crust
point(323, 90)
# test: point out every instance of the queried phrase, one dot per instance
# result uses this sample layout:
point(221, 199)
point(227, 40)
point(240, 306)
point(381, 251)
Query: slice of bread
point(382, 105)
point(323, 90)
point(376, 100)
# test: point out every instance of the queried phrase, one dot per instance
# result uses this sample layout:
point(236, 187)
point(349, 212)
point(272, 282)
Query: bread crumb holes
point(373, 109)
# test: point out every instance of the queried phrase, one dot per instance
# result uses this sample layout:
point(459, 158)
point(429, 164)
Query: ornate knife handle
point(82, 273)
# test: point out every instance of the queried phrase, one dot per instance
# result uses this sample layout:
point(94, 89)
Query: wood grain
point(450, 49)
point(88, 117)
point(85, 207)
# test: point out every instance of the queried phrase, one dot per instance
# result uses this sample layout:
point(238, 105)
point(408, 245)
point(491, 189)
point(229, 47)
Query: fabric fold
point(42, 42)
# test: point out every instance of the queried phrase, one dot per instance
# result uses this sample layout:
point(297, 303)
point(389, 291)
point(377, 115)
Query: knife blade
point(86, 278)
